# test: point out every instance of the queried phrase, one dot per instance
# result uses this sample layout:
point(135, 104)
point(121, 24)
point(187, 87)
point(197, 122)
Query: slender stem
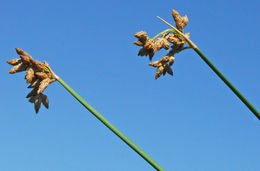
point(111, 127)
point(214, 68)
point(229, 84)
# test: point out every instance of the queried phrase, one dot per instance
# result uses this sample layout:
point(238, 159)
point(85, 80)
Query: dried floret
point(37, 100)
point(18, 68)
point(14, 61)
point(43, 85)
point(29, 75)
point(45, 101)
point(181, 22)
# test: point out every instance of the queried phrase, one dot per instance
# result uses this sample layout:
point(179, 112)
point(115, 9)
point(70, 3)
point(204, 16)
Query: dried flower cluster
point(37, 74)
point(151, 46)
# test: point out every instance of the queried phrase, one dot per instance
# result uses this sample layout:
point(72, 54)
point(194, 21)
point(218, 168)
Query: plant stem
point(228, 83)
point(110, 126)
point(214, 68)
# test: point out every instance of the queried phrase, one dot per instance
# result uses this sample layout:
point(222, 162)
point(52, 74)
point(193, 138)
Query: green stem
point(111, 127)
point(229, 84)
point(165, 31)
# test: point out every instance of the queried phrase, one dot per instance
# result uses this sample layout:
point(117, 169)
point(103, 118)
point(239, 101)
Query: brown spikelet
point(14, 61)
point(138, 43)
point(172, 38)
point(33, 92)
point(171, 60)
point(168, 70)
point(18, 68)
point(43, 85)
point(178, 20)
point(161, 43)
point(41, 75)
point(155, 64)
point(187, 35)
point(29, 75)
point(184, 20)
point(45, 101)
point(159, 72)
point(141, 35)
point(32, 99)
point(23, 55)
point(37, 103)
point(38, 65)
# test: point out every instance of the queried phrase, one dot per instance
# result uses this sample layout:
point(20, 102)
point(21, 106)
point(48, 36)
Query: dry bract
point(37, 74)
point(151, 46)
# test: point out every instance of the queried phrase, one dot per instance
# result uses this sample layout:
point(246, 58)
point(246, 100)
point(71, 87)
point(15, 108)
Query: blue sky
point(190, 121)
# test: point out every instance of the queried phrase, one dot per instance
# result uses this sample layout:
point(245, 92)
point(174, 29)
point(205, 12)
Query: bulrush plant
point(39, 76)
point(174, 40)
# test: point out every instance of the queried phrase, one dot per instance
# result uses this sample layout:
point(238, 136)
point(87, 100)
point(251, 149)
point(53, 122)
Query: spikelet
point(18, 68)
point(29, 75)
point(45, 101)
point(14, 61)
point(43, 85)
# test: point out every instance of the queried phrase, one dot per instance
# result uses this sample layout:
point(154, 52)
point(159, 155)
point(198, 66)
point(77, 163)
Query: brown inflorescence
point(37, 74)
point(151, 46)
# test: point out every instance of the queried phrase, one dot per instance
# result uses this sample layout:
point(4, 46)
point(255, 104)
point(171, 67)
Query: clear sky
point(188, 122)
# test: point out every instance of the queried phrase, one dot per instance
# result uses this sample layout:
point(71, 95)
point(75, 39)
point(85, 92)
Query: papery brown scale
point(41, 75)
point(143, 52)
point(149, 44)
point(164, 59)
point(161, 43)
point(173, 39)
point(34, 82)
point(141, 34)
point(23, 55)
point(29, 75)
point(168, 70)
point(37, 65)
point(18, 68)
point(26, 59)
point(187, 35)
point(184, 20)
point(32, 99)
point(52, 80)
point(14, 61)
point(171, 60)
point(155, 64)
point(37, 104)
point(45, 101)
point(138, 43)
point(151, 53)
point(159, 72)
point(33, 92)
point(43, 85)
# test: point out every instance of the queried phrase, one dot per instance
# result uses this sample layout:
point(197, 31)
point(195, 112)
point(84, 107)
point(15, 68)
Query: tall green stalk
point(111, 127)
point(214, 68)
